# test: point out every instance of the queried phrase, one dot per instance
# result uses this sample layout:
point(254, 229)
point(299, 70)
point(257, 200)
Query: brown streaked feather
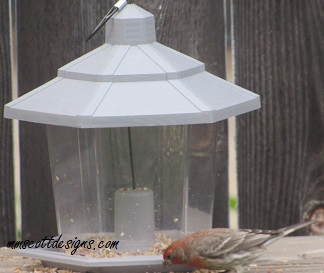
point(225, 241)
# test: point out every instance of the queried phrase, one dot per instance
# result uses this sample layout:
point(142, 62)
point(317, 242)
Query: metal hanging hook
point(117, 7)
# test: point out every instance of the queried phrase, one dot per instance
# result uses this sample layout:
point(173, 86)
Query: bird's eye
point(168, 257)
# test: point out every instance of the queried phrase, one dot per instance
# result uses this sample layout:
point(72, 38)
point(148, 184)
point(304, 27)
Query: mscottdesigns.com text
point(52, 242)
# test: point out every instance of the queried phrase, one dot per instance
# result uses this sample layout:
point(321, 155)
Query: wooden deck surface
point(290, 255)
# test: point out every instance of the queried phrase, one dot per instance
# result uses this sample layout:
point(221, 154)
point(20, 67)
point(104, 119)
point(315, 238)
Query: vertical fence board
point(7, 212)
point(197, 28)
point(278, 50)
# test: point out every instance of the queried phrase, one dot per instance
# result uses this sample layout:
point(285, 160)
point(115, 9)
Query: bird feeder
point(118, 123)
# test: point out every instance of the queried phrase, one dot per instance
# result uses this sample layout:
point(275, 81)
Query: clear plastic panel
point(76, 180)
point(202, 177)
point(90, 165)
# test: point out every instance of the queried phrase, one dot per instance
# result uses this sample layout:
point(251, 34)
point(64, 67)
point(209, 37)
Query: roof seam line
point(185, 97)
point(121, 60)
point(21, 99)
point(99, 103)
point(153, 61)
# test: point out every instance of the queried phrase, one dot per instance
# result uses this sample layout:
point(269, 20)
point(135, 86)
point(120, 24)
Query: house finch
point(222, 248)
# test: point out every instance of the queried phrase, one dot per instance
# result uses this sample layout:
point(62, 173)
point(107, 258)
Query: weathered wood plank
point(292, 254)
point(278, 50)
point(7, 211)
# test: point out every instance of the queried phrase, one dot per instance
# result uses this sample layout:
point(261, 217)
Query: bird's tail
point(287, 230)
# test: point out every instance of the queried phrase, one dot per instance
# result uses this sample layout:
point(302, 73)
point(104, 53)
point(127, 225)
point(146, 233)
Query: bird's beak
point(166, 264)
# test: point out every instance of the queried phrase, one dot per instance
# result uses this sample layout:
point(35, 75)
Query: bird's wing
point(217, 244)
point(255, 238)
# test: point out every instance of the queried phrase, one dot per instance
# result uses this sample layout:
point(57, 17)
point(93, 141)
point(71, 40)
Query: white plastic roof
point(132, 81)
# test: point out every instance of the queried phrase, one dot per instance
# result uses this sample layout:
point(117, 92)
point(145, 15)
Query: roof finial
point(117, 7)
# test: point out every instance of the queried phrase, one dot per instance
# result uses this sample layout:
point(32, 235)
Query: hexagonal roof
point(132, 81)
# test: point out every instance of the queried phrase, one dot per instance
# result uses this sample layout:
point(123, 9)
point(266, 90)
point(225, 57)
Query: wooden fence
point(278, 53)
point(279, 48)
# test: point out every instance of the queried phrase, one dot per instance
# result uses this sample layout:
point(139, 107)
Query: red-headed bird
point(223, 248)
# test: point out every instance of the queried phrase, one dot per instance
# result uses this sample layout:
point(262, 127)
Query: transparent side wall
point(90, 165)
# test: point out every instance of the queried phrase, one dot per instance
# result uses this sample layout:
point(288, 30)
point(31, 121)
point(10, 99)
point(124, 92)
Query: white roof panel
point(137, 63)
point(144, 98)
